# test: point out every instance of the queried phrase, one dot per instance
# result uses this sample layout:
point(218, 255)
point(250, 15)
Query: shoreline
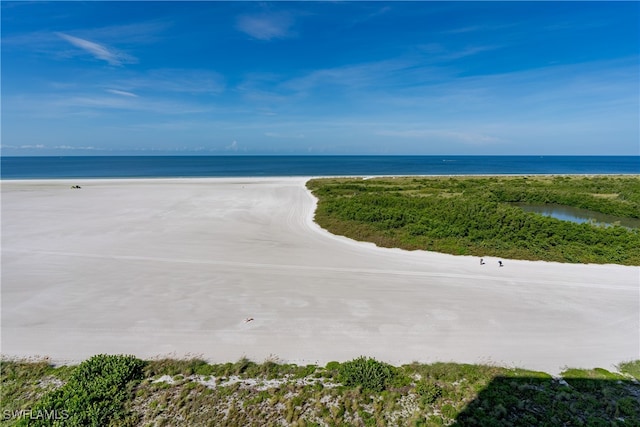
point(308, 177)
point(93, 274)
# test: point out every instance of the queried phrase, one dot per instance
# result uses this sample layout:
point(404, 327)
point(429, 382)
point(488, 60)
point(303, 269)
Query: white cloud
point(110, 55)
point(122, 92)
point(47, 43)
point(266, 26)
point(22, 147)
point(233, 146)
point(71, 147)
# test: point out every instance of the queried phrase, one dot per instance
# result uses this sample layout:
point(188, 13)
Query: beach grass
point(480, 216)
point(631, 368)
point(359, 392)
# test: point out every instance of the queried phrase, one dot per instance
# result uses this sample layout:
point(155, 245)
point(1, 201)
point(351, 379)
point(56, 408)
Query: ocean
point(271, 166)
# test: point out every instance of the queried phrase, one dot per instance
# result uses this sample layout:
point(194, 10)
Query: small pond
point(577, 215)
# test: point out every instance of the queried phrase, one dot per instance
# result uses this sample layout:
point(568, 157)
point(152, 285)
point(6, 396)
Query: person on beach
point(481, 261)
point(500, 263)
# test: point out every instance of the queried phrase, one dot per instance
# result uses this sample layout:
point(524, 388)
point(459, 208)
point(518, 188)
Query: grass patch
point(25, 382)
point(631, 368)
point(595, 374)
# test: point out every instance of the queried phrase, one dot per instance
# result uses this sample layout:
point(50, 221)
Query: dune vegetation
point(124, 391)
point(483, 216)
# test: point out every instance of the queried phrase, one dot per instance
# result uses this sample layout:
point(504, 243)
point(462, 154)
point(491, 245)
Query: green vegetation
point(122, 391)
point(25, 382)
point(367, 373)
point(478, 216)
point(94, 395)
point(631, 368)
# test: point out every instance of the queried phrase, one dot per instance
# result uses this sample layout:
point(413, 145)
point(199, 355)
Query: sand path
point(174, 267)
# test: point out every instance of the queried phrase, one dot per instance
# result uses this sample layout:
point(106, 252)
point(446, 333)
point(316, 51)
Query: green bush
point(367, 373)
point(429, 391)
point(333, 366)
point(332, 369)
point(95, 394)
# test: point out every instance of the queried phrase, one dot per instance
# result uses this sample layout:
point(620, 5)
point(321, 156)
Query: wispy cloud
point(378, 12)
point(177, 81)
point(72, 147)
point(98, 51)
point(346, 85)
point(122, 92)
point(56, 147)
point(442, 134)
point(362, 75)
point(92, 104)
point(138, 33)
point(478, 28)
point(462, 30)
point(48, 43)
point(266, 26)
point(89, 102)
point(22, 147)
point(437, 52)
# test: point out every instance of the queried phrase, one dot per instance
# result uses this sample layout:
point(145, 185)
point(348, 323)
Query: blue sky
point(108, 78)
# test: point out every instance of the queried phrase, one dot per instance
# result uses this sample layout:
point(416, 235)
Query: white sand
point(173, 267)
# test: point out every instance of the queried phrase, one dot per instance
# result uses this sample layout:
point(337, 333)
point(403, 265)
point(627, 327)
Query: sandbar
point(175, 267)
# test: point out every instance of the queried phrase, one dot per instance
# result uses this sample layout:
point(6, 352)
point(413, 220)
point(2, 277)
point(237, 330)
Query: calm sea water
point(264, 166)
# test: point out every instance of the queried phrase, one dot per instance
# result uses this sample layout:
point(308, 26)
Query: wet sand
point(173, 267)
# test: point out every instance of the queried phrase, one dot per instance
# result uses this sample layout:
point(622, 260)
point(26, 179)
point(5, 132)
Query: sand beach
point(176, 267)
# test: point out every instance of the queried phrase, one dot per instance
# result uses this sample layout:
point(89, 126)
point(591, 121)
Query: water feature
point(577, 215)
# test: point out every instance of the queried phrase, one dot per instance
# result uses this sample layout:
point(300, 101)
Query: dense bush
point(367, 373)
point(478, 216)
point(94, 395)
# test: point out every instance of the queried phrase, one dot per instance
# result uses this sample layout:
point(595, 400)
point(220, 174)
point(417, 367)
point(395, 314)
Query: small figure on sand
point(76, 187)
point(481, 261)
point(248, 319)
point(500, 263)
